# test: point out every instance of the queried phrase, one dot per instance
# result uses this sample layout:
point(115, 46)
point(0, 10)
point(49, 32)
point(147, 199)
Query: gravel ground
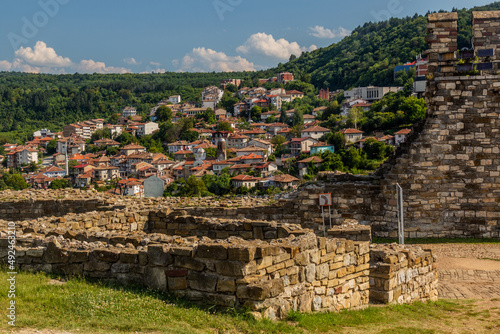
point(470, 251)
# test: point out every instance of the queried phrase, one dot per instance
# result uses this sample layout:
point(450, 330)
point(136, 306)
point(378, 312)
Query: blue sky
point(118, 36)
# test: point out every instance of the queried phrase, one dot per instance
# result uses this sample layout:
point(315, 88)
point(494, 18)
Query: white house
point(129, 112)
point(315, 132)
point(147, 128)
point(175, 99)
point(400, 136)
point(351, 136)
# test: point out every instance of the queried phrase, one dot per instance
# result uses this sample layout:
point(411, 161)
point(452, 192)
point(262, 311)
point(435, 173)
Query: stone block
point(54, 254)
point(189, 263)
point(212, 251)
point(226, 285)
point(158, 255)
point(177, 283)
point(243, 253)
point(202, 281)
point(106, 255)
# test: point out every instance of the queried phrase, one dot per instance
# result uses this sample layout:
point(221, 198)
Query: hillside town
point(258, 143)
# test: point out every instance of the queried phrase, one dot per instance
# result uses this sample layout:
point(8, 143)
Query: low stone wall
point(305, 273)
point(179, 223)
point(29, 209)
point(402, 274)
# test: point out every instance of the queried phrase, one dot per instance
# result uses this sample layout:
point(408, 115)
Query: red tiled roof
point(403, 132)
point(316, 129)
point(351, 131)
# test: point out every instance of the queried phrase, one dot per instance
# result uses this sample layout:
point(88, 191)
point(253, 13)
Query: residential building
point(351, 136)
point(237, 141)
point(225, 82)
point(175, 99)
point(252, 150)
point(53, 172)
point(104, 173)
point(284, 77)
point(129, 112)
point(295, 94)
point(244, 181)
point(146, 129)
point(262, 144)
point(301, 145)
point(315, 132)
point(285, 181)
point(132, 148)
point(179, 146)
point(400, 136)
point(370, 93)
point(322, 147)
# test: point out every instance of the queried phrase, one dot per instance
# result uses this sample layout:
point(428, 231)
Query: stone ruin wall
point(268, 266)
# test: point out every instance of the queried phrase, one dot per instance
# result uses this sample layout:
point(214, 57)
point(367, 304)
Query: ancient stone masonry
point(268, 266)
point(399, 274)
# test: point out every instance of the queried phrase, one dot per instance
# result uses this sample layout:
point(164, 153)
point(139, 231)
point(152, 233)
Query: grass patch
point(95, 307)
point(416, 241)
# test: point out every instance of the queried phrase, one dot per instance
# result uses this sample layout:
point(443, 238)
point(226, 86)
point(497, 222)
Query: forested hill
point(31, 101)
point(372, 51)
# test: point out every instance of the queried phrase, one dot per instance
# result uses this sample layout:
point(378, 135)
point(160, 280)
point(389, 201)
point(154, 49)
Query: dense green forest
point(370, 54)
point(32, 101)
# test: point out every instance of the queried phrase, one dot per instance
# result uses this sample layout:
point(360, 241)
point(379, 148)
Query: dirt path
point(468, 271)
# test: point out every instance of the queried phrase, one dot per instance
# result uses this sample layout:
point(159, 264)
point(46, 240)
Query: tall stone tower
point(221, 150)
point(450, 172)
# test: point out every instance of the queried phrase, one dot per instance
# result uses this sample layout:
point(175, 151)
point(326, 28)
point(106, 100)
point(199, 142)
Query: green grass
point(416, 241)
point(94, 307)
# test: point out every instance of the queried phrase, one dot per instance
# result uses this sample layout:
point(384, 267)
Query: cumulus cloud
point(91, 66)
point(154, 63)
point(322, 32)
point(44, 59)
point(131, 61)
point(264, 44)
point(202, 60)
point(41, 55)
point(5, 65)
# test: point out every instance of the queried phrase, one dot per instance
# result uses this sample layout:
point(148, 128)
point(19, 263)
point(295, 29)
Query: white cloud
point(5, 65)
point(91, 66)
point(322, 32)
point(41, 55)
point(264, 44)
point(203, 60)
point(131, 61)
point(44, 59)
point(153, 63)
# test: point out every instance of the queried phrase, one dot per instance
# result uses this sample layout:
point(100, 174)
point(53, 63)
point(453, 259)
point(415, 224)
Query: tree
point(231, 88)
point(110, 151)
point(208, 116)
point(298, 117)
point(331, 161)
point(228, 101)
point(283, 116)
point(100, 134)
point(163, 114)
point(218, 184)
point(52, 147)
point(193, 187)
point(224, 126)
point(211, 152)
point(278, 141)
point(189, 135)
point(14, 181)
point(33, 167)
point(354, 116)
point(376, 150)
point(256, 113)
point(60, 184)
point(336, 139)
